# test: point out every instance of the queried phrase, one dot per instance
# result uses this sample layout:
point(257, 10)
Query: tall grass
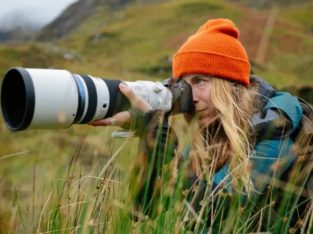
point(102, 199)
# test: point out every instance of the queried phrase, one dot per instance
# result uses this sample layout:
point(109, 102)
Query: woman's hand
point(124, 118)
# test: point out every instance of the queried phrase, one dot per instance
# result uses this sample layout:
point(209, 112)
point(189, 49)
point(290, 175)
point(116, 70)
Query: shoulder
point(278, 113)
point(287, 105)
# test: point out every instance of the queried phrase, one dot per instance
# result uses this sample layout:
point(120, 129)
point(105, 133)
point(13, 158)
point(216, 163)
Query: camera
point(54, 98)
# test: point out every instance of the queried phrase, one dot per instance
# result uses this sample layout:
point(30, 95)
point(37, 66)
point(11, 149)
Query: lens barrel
point(51, 98)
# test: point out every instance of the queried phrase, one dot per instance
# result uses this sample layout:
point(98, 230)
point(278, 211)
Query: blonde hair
point(228, 139)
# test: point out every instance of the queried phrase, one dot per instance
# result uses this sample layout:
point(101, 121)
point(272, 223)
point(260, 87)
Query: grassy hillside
point(48, 176)
point(152, 38)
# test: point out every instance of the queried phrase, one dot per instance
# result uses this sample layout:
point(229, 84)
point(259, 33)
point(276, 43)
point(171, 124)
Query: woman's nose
point(194, 96)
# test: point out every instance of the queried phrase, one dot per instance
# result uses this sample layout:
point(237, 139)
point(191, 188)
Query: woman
point(245, 128)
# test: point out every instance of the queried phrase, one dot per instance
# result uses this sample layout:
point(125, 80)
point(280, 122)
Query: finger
point(101, 122)
point(136, 102)
point(120, 119)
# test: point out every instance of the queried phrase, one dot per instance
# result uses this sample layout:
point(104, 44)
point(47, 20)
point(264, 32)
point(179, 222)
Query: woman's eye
point(200, 82)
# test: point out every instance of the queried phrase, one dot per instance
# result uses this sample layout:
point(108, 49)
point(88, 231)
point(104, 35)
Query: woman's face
point(201, 91)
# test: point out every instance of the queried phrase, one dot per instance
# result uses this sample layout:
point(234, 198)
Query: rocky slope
point(76, 14)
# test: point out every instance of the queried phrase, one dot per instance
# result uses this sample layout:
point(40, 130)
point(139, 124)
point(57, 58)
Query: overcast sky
point(40, 12)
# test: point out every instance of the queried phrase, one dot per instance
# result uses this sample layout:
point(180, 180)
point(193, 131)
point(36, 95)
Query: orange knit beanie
point(213, 50)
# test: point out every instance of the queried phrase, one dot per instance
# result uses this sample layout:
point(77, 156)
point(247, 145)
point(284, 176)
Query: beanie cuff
point(198, 62)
